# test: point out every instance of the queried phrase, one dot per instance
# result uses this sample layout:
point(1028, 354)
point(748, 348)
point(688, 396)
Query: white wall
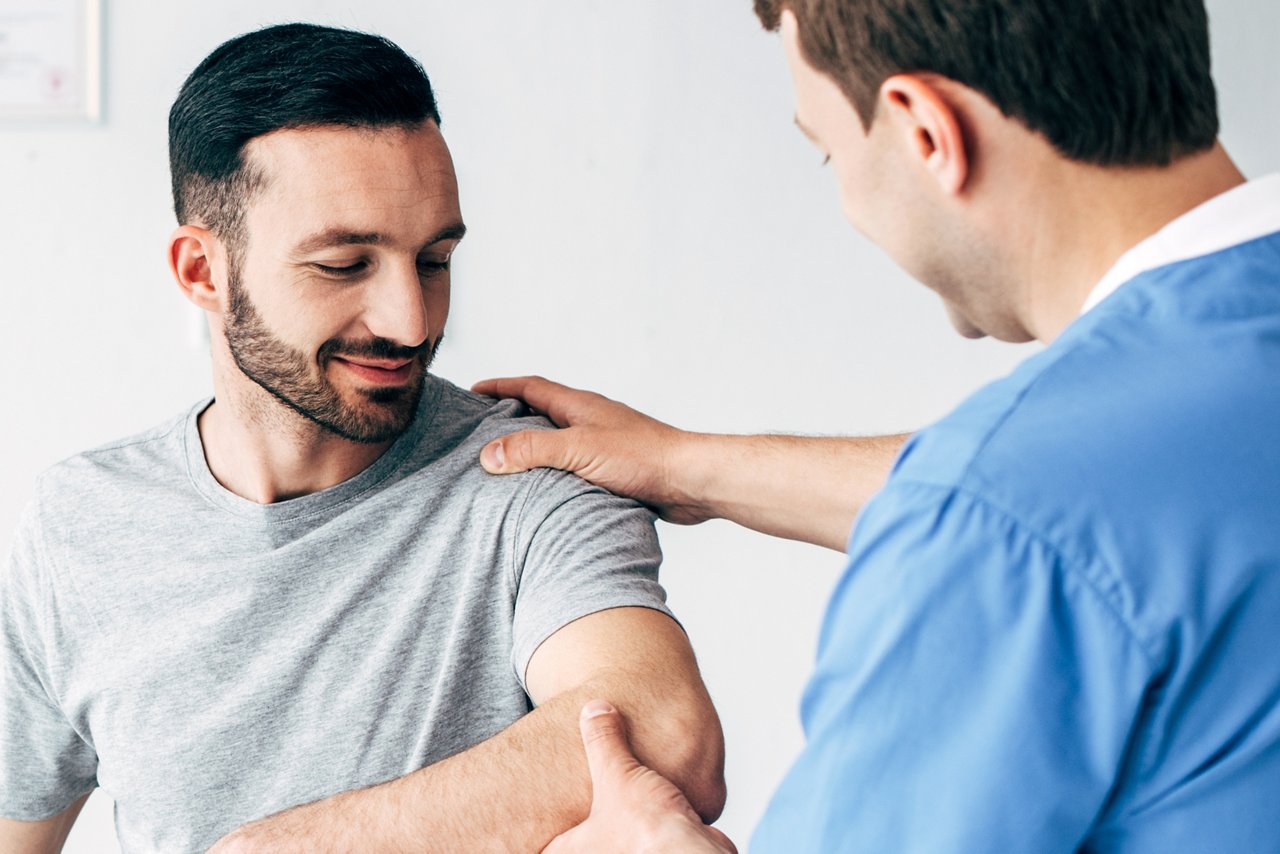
point(644, 220)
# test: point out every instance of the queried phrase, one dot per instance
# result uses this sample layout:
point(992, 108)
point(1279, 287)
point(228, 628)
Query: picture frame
point(51, 61)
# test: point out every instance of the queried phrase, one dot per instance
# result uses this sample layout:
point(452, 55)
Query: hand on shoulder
point(600, 440)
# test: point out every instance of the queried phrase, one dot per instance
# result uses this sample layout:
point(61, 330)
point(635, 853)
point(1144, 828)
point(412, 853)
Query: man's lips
point(378, 371)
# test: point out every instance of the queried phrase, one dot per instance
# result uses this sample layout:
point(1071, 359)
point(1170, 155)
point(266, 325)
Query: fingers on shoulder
point(509, 386)
point(528, 449)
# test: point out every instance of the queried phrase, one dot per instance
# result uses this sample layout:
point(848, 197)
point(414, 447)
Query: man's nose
point(396, 307)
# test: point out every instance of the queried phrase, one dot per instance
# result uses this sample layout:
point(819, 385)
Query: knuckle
point(604, 729)
point(519, 448)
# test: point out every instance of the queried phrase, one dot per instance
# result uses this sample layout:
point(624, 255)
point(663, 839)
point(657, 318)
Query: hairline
point(251, 177)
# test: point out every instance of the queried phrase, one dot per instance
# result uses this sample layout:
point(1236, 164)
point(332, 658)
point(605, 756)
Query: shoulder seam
point(145, 439)
point(1069, 565)
point(49, 574)
point(1011, 408)
point(516, 561)
point(483, 405)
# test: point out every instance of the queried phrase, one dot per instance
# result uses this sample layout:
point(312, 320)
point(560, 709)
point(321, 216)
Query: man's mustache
point(378, 348)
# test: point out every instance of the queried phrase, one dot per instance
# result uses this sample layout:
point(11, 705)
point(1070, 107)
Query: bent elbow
point(707, 796)
point(697, 760)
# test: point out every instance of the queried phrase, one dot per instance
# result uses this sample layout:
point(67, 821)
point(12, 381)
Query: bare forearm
point(519, 789)
point(802, 488)
point(39, 837)
point(514, 792)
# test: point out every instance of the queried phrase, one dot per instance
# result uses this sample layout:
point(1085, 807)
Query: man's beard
point(381, 414)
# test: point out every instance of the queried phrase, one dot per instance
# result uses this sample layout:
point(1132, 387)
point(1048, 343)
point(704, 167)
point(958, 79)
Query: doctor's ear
point(930, 126)
point(194, 253)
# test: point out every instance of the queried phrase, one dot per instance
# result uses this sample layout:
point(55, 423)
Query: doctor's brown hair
point(1108, 82)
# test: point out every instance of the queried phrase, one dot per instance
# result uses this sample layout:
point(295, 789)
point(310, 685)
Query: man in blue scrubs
point(1059, 625)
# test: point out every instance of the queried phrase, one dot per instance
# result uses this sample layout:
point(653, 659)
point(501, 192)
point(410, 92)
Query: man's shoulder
point(462, 422)
point(1163, 377)
point(1146, 430)
point(1011, 428)
point(111, 470)
point(1169, 360)
point(477, 419)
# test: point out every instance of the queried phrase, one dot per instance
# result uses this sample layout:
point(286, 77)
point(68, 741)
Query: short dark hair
point(286, 76)
point(1108, 82)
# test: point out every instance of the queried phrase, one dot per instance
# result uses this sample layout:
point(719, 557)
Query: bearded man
point(303, 599)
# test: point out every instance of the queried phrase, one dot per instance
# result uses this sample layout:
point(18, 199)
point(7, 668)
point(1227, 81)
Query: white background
point(645, 220)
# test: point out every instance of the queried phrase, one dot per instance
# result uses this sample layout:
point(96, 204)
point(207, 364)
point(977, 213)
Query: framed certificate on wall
point(50, 60)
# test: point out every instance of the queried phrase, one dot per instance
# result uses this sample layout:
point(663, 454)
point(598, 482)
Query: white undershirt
point(1237, 216)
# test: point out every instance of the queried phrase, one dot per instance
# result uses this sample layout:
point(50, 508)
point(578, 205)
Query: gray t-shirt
point(207, 661)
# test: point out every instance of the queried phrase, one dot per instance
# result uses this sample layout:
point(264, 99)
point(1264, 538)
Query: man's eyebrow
point(334, 237)
point(453, 232)
point(804, 130)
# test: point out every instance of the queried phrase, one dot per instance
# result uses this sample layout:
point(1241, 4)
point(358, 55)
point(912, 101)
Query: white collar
point(1239, 215)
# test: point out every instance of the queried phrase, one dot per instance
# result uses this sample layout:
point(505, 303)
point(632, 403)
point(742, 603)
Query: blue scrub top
point(1059, 629)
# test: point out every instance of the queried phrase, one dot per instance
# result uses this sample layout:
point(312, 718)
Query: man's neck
point(1091, 216)
point(261, 450)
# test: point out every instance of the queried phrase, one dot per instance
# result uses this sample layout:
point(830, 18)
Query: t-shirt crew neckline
point(317, 502)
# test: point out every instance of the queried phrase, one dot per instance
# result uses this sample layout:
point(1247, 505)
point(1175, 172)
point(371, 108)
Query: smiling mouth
point(378, 371)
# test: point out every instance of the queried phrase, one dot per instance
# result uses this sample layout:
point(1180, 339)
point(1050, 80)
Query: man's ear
point(192, 253)
point(930, 127)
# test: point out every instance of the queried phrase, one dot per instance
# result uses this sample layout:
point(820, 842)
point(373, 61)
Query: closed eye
point(341, 270)
point(427, 266)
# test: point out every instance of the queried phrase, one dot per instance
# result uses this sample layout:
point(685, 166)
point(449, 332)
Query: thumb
point(605, 740)
point(527, 449)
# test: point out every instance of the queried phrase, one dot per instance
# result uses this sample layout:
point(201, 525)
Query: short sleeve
point(44, 763)
point(973, 692)
point(579, 550)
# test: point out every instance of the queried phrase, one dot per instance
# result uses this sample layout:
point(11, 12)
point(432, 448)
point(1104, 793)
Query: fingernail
point(496, 458)
point(596, 708)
